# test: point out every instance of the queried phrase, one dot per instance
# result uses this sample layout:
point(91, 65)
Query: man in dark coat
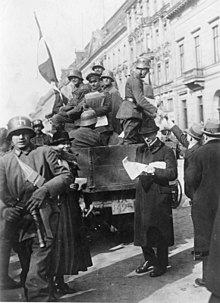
point(40, 138)
point(86, 135)
point(137, 106)
point(30, 180)
point(153, 225)
point(203, 175)
point(213, 266)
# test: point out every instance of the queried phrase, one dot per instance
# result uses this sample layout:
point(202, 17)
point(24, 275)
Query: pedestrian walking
point(30, 180)
point(153, 223)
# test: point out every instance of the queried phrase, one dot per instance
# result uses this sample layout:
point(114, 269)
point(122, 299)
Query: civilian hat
point(61, 138)
point(212, 128)
point(148, 127)
point(195, 131)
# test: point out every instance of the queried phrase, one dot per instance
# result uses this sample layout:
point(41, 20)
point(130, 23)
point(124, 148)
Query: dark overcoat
point(203, 174)
point(153, 195)
point(213, 267)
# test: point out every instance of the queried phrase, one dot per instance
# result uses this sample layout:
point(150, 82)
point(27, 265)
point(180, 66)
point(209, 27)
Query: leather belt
point(130, 99)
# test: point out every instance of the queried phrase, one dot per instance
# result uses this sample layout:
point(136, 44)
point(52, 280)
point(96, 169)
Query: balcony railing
point(193, 73)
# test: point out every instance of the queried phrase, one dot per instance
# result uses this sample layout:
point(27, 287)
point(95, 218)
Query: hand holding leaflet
point(134, 169)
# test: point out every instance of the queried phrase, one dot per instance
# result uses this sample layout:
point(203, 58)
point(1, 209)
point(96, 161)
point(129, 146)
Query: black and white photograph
point(110, 151)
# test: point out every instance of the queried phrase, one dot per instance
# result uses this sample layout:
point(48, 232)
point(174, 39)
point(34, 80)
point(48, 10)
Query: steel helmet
point(37, 122)
point(98, 64)
point(107, 74)
point(92, 74)
point(88, 117)
point(19, 123)
point(75, 73)
point(143, 63)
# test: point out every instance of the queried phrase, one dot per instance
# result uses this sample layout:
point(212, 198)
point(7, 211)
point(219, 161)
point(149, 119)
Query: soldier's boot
point(6, 282)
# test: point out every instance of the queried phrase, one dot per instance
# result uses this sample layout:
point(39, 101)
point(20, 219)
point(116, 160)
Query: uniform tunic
point(15, 190)
point(85, 137)
point(116, 101)
point(153, 195)
point(42, 139)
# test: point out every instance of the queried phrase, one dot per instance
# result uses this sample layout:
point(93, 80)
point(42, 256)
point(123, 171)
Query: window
point(216, 43)
point(170, 105)
point(147, 8)
point(181, 53)
point(201, 113)
point(167, 67)
point(159, 74)
point(185, 114)
point(197, 51)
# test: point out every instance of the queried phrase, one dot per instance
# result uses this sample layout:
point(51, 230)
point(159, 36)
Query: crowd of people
point(41, 219)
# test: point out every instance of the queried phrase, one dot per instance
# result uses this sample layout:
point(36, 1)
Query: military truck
point(109, 190)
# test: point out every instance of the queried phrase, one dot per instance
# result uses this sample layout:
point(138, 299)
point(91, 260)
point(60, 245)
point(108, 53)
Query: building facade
point(184, 52)
point(182, 39)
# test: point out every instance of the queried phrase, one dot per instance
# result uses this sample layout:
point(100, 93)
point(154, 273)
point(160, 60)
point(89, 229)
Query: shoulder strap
point(30, 174)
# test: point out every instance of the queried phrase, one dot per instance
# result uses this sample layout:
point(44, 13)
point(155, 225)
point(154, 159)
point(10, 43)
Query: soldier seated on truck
point(100, 102)
point(86, 135)
point(72, 111)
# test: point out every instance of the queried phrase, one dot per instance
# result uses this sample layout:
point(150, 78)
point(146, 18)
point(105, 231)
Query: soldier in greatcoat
point(30, 180)
point(153, 223)
point(136, 107)
point(203, 176)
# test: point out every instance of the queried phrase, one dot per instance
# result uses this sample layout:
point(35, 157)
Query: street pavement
point(112, 277)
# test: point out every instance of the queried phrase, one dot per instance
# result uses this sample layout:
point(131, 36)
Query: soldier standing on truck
point(116, 100)
point(136, 107)
point(153, 222)
point(30, 180)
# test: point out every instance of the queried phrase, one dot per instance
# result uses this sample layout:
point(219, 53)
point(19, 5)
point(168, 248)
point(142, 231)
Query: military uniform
point(116, 101)
point(74, 107)
point(135, 108)
point(85, 137)
point(41, 139)
point(14, 191)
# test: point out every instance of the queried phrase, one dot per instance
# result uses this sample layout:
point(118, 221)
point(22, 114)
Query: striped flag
point(45, 61)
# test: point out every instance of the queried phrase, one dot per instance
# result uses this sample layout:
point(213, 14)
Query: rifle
point(37, 181)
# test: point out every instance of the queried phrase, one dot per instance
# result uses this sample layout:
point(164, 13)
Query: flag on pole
point(45, 61)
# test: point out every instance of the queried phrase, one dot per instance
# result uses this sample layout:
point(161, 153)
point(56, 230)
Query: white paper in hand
point(133, 169)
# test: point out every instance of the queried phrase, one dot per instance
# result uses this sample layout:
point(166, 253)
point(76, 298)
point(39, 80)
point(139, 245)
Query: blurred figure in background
point(40, 137)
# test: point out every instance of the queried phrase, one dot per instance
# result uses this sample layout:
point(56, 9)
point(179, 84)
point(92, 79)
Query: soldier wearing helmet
point(30, 180)
point(86, 135)
point(116, 100)
point(72, 111)
point(136, 107)
point(100, 102)
point(40, 137)
point(98, 67)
